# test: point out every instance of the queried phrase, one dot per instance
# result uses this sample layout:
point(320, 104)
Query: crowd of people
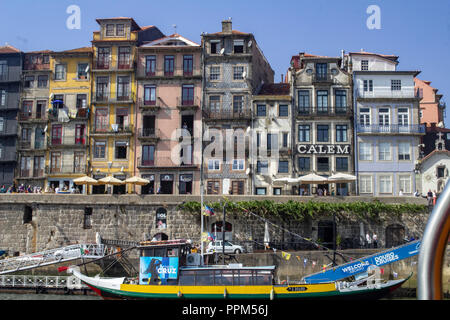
point(37, 189)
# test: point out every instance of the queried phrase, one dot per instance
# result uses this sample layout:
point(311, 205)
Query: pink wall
point(429, 103)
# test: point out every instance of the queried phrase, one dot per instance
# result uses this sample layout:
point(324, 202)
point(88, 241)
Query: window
point(42, 81)
point(214, 73)
point(364, 116)
point(109, 30)
point(124, 58)
point(341, 164)
point(2, 97)
point(365, 184)
point(368, 85)
point(262, 167)
point(238, 104)
point(101, 122)
point(122, 118)
point(283, 166)
point(341, 133)
point(237, 187)
point(150, 65)
point(2, 124)
point(39, 136)
point(81, 101)
point(3, 70)
point(304, 164)
point(149, 95)
point(261, 110)
point(321, 71)
point(168, 65)
point(187, 94)
point(283, 110)
point(364, 65)
point(56, 134)
point(396, 85)
point(385, 184)
point(27, 107)
point(87, 221)
point(80, 134)
point(365, 151)
point(103, 58)
point(25, 165)
point(213, 164)
point(403, 116)
point(99, 149)
point(38, 166)
point(79, 163)
point(238, 73)
point(238, 46)
point(120, 30)
point(277, 191)
point(60, 72)
point(123, 88)
point(238, 164)
point(28, 82)
point(383, 117)
point(188, 65)
point(303, 133)
point(322, 133)
point(215, 46)
point(384, 151)
point(303, 101)
point(261, 191)
point(213, 187)
point(102, 88)
point(214, 104)
point(404, 151)
point(121, 150)
point(272, 141)
point(322, 101)
point(341, 101)
point(82, 71)
point(55, 162)
point(285, 142)
point(148, 155)
point(26, 134)
point(323, 164)
point(404, 184)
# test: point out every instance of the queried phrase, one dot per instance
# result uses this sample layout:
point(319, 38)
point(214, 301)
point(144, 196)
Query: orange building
point(431, 108)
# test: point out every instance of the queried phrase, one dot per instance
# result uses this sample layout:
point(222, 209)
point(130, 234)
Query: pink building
point(431, 108)
point(169, 90)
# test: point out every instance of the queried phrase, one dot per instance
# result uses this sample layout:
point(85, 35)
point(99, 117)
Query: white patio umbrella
point(312, 178)
point(111, 180)
point(138, 181)
point(85, 180)
point(341, 178)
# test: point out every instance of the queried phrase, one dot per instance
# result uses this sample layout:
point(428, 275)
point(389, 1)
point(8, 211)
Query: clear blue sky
point(417, 31)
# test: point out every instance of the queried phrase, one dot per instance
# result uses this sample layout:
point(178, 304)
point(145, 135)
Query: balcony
point(30, 117)
point(100, 97)
point(244, 114)
point(160, 162)
point(344, 111)
point(386, 93)
point(149, 134)
point(113, 65)
point(184, 103)
point(322, 78)
point(161, 73)
point(28, 173)
point(113, 129)
point(396, 129)
point(69, 141)
point(65, 169)
point(65, 114)
point(146, 105)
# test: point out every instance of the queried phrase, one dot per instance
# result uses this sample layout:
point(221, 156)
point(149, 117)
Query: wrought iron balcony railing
point(391, 129)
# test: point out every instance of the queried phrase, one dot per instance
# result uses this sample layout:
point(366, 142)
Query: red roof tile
point(272, 89)
point(8, 49)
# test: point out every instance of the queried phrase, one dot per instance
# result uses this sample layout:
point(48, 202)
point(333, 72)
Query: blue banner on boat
point(363, 264)
point(157, 270)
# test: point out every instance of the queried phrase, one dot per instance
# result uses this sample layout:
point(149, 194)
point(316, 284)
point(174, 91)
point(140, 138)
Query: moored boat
point(169, 271)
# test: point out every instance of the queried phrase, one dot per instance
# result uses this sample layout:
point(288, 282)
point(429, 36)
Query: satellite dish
point(244, 75)
point(250, 43)
point(247, 171)
point(87, 69)
point(222, 51)
point(51, 95)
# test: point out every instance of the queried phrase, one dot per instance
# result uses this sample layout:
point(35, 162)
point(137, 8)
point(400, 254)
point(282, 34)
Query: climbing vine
point(299, 211)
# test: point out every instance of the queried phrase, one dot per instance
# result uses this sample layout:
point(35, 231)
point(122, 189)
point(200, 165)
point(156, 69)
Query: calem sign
point(323, 149)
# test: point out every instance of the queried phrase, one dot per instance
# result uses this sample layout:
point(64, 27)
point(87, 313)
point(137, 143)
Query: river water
point(34, 296)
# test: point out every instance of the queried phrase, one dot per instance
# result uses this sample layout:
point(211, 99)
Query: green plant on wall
point(299, 211)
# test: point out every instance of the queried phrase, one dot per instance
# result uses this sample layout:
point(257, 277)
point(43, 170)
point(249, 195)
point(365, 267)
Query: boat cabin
point(171, 262)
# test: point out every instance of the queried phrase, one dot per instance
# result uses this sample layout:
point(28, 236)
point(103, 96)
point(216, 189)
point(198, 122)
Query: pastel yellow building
point(68, 115)
point(112, 132)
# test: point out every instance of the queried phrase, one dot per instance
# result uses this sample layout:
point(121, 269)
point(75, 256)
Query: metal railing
point(47, 282)
point(67, 140)
point(227, 114)
point(392, 128)
point(175, 72)
point(112, 129)
point(100, 97)
point(322, 77)
point(55, 169)
point(149, 133)
point(329, 110)
point(386, 92)
point(188, 102)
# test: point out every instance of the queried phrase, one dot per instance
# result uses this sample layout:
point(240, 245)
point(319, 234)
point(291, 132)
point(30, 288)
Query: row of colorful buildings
point(139, 103)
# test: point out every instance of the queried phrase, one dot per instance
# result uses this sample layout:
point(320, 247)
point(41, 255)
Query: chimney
point(226, 26)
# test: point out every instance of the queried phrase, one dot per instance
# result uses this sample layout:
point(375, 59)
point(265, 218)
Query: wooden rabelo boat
point(168, 270)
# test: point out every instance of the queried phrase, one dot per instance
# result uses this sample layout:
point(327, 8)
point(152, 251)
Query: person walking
point(430, 197)
point(368, 240)
point(375, 240)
